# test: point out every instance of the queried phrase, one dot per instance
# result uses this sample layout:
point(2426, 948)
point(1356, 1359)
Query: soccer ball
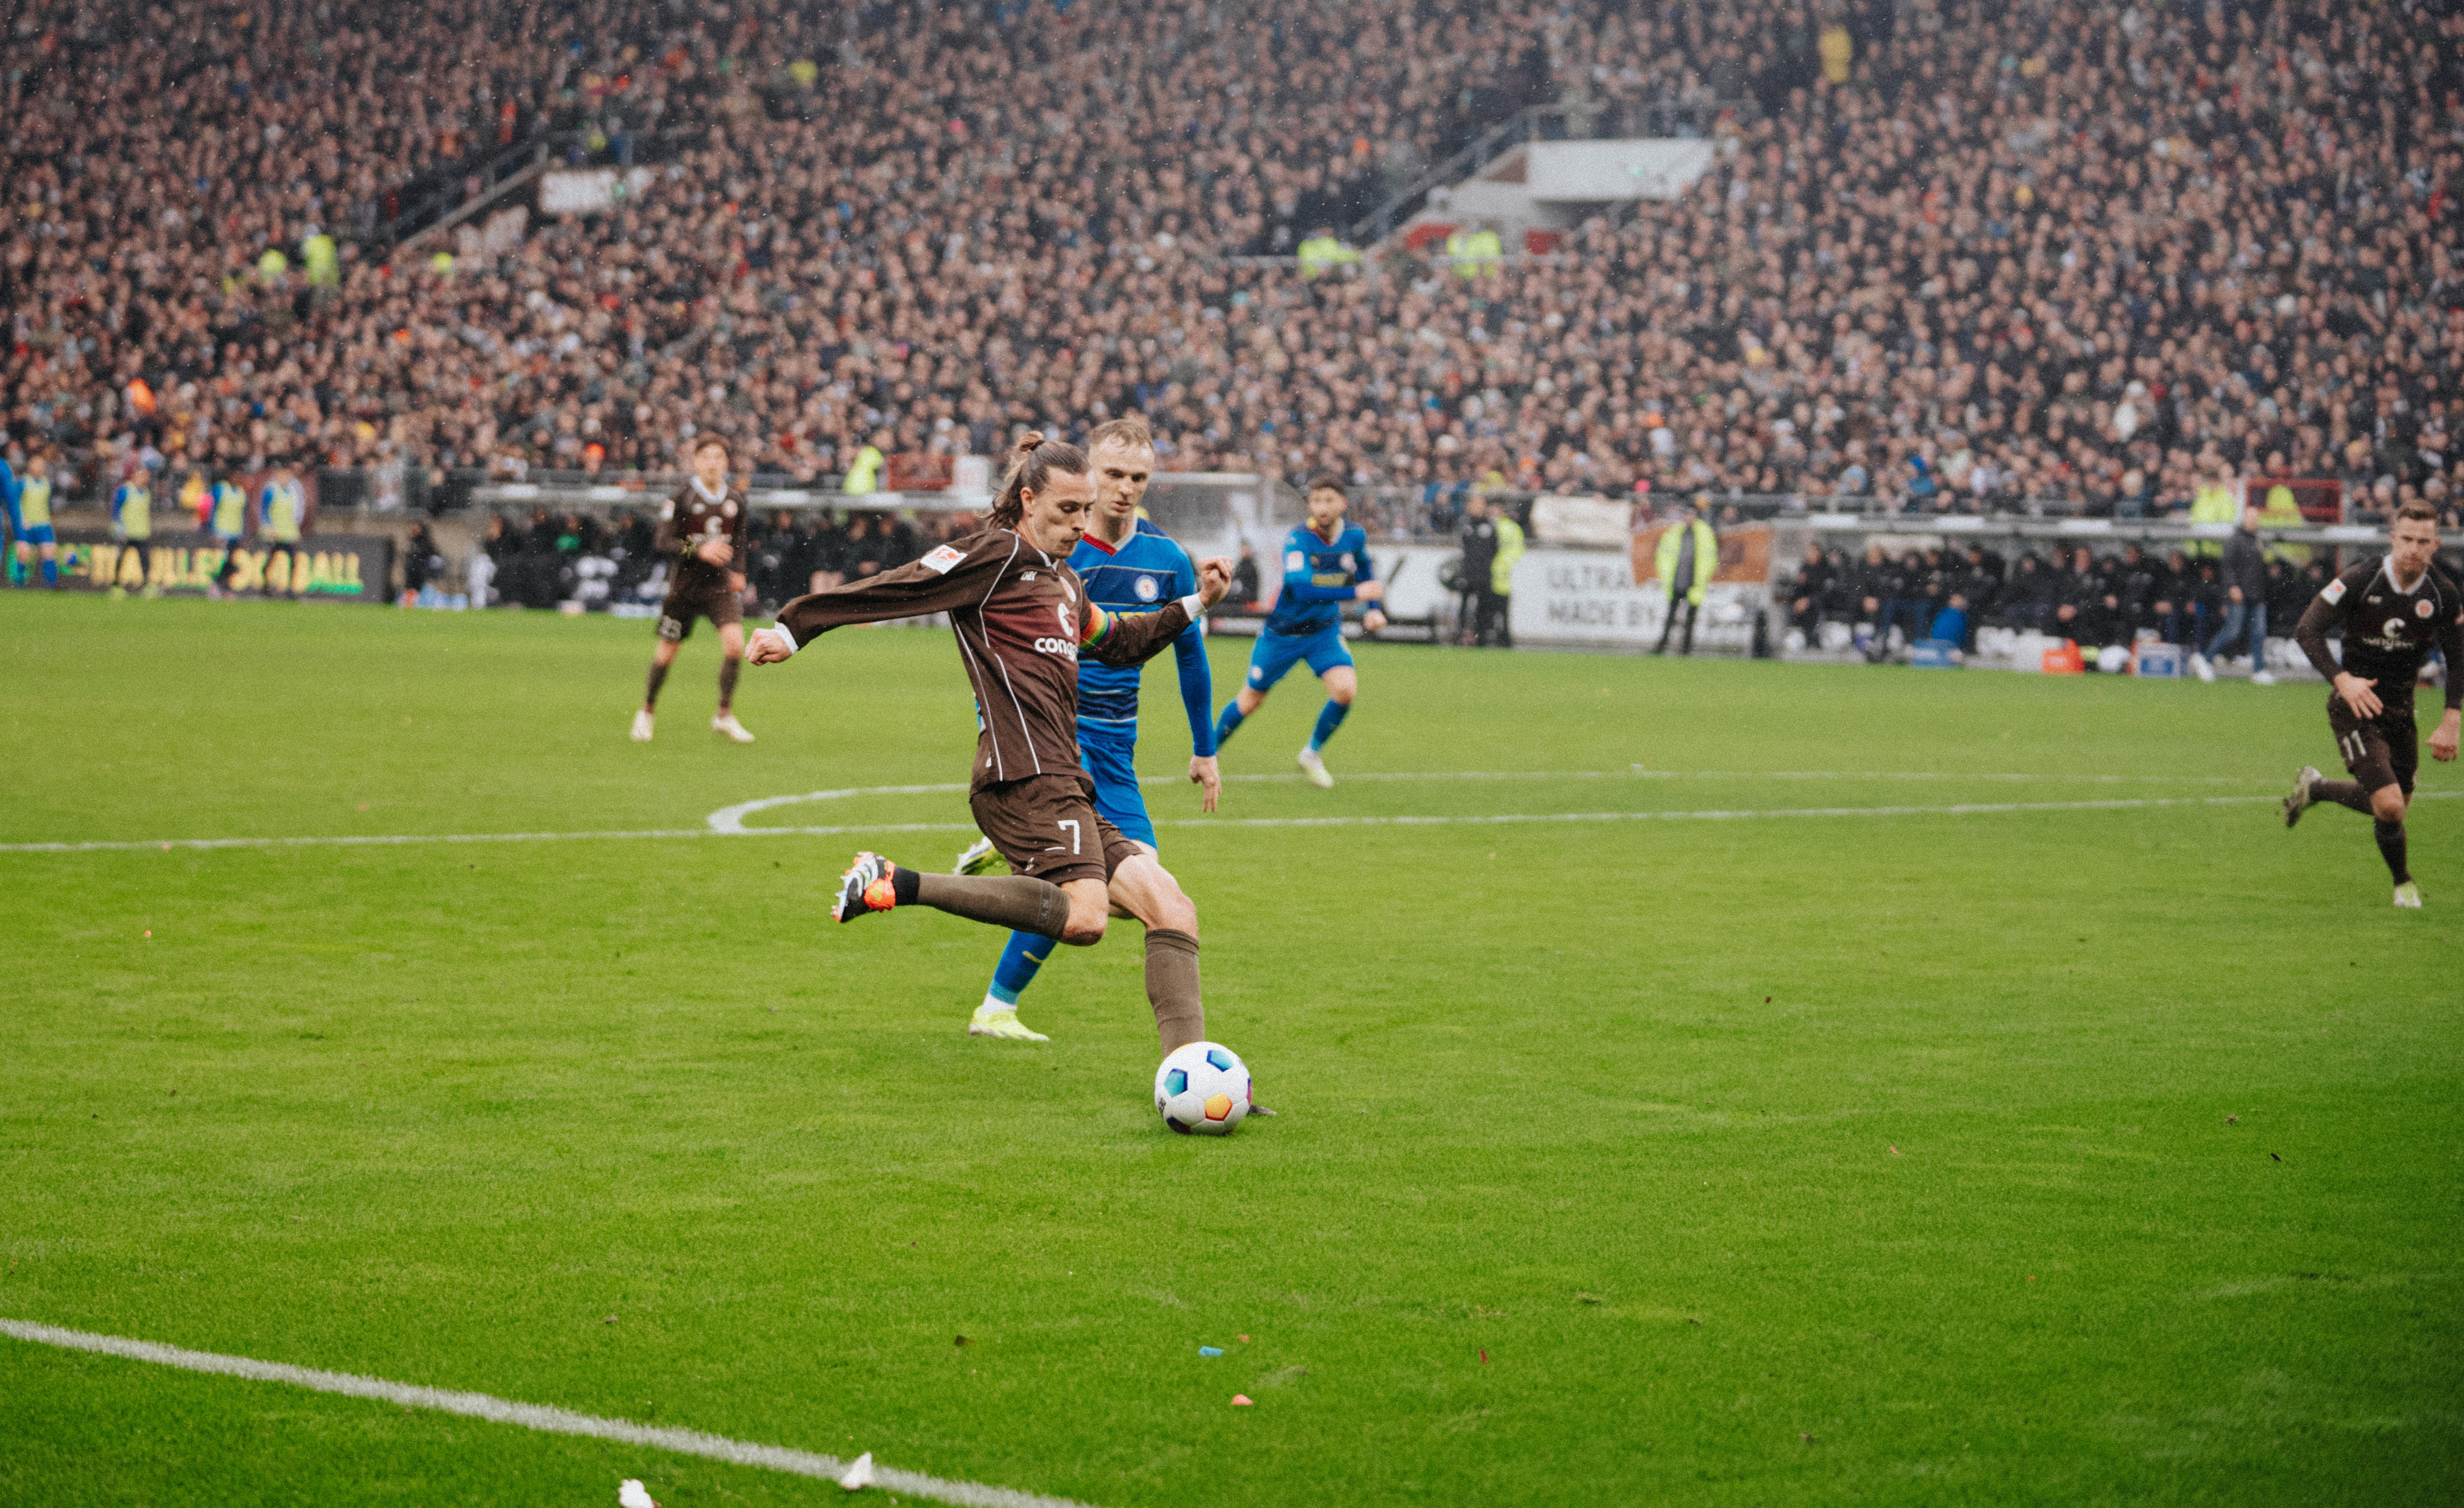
point(1202, 1088)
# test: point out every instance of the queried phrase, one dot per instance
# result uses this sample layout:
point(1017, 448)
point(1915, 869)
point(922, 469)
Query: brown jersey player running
point(2391, 610)
point(701, 532)
point(1023, 619)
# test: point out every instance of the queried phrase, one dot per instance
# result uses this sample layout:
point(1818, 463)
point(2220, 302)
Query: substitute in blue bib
point(1123, 562)
point(29, 505)
point(1325, 565)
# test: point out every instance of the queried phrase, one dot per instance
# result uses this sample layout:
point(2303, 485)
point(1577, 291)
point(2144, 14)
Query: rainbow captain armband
point(1099, 621)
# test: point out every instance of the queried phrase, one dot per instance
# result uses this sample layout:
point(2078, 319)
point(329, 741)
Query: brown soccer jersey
point(691, 520)
point(1023, 619)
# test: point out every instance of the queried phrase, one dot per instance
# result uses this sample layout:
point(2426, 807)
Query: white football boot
point(2201, 667)
point(726, 723)
point(1314, 768)
point(2408, 895)
point(640, 726)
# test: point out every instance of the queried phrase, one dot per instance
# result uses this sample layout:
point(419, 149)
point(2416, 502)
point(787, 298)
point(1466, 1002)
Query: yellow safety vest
point(35, 504)
point(136, 512)
point(865, 476)
point(230, 511)
point(283, 508)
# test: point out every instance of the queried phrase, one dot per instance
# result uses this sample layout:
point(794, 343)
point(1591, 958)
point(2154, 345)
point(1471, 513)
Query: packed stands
point(1952, 257)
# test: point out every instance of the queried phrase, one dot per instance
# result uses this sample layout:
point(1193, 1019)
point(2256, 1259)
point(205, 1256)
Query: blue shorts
point(1277, 653)
point(1108, 751)
point(37, 534)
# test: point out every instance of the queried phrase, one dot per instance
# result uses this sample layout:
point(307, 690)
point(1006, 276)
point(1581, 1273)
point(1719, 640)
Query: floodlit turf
point(2054, 1156)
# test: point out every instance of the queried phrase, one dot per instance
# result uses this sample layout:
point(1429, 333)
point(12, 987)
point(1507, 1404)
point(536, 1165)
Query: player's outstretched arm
point(938, 583)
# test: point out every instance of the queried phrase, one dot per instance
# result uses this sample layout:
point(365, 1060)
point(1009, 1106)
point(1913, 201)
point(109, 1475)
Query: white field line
point(531, 1416)
point(728, 822)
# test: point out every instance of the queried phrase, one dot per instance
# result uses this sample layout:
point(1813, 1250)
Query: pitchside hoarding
point(344, 567)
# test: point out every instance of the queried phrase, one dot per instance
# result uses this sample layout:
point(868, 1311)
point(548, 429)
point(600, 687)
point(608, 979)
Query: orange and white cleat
point(865, 888)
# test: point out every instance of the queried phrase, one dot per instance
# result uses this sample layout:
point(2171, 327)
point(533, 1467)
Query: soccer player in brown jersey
point(2391, 609)
point(701, 532)
point(1023, 619)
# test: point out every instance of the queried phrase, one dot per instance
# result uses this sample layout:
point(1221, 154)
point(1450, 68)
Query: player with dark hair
point(701, 532)
point(1128, 566)
point(2392, 610)
point(1325, 565)
point(1022, 618)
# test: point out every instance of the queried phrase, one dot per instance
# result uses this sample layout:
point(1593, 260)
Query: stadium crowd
point(1951, 255)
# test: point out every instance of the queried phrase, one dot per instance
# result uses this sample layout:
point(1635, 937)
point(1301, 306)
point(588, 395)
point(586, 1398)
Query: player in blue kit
point(1126, 562)
point(1325, 565)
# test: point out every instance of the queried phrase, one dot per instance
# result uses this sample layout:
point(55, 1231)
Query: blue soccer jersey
point(1318, 579)
point(1144, 572)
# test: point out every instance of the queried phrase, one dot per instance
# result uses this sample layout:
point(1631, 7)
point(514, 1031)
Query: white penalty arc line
point(1967, 808)
point(530, 1416)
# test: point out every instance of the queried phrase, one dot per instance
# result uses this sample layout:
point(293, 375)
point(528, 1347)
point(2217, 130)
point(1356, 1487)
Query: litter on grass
point(630, 1493)
point(859, 1474)
point(1210, 1350)
point(1240, 1401)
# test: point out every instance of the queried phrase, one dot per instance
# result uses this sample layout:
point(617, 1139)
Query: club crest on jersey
point(2422, 609)
point(941, 561)
point(1147, 590)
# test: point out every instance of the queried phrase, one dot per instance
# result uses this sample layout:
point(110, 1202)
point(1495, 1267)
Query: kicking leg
point(1073, 913)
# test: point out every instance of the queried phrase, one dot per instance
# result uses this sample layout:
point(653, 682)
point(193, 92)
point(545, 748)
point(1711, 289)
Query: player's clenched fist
point(768, 647)
point(1213, 579)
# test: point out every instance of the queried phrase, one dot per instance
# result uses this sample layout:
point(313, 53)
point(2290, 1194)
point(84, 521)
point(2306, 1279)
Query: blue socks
point(1329, 718)
point(51, 573)
point(1018, 962)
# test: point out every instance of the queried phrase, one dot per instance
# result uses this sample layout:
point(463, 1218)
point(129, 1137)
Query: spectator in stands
point(1808, 592)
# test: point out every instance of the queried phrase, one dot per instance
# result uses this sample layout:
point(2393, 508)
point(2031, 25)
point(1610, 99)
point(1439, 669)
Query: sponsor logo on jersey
point(2394, 628)
point(1067, 649)
point(941, 561)
point(1147, 590)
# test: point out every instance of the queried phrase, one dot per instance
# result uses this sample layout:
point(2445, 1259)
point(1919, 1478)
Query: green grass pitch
point(2068, 1156)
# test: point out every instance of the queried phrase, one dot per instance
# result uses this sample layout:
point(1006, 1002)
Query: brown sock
point(658, 678)
point(1019, 902)
point(1172, 989)
point(2391, 837)
point(728, 671)
point(2343, 792)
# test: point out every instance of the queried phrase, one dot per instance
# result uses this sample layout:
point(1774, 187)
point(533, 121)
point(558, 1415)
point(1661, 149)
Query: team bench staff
point(1022, 618)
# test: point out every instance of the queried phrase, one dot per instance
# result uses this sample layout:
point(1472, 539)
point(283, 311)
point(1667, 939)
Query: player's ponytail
point(1031, 466)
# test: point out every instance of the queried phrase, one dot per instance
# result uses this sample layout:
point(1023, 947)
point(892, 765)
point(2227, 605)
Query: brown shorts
point(2381, 751)
point(1047, 826)
point(687, 601)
